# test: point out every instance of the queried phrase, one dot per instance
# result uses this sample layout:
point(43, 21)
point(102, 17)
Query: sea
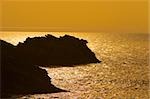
point(122, 74)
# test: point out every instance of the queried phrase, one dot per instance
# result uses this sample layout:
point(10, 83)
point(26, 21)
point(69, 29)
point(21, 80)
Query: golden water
point(122, 74)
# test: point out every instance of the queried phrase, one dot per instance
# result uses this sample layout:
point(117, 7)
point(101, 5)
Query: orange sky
point(71, 15)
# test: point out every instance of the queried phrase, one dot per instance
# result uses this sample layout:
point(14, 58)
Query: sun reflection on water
point(123, 72)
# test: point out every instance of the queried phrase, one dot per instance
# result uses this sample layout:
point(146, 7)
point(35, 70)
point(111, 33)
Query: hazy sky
point(71, 15)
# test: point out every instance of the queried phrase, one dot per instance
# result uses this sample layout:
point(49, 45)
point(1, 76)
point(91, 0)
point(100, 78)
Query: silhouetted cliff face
point(20, 73)
point(49, 50)
point(20, 77)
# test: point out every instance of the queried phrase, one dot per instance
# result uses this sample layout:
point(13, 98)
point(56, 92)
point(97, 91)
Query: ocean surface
point(122, 74)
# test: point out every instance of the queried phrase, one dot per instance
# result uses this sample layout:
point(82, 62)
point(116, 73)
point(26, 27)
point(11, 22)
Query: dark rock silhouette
point(49, 50)
point(20, 71)
point(19, 77)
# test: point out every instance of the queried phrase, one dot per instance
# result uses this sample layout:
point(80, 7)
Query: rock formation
point(20, 71)
point(19, 77)
point(49, 50)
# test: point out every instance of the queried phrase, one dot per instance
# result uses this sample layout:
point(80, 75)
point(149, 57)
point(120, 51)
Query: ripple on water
point(123, 72)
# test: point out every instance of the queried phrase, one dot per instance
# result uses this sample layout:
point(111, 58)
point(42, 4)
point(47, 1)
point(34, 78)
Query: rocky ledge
point(20, 71)
point(19, 77)
point(50, 50)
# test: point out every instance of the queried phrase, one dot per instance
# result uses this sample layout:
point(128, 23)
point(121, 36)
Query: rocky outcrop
point(20, 71)
point(19, 77)
point(49, 50)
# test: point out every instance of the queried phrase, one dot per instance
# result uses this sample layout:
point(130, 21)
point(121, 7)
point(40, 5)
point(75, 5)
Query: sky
point(75, 15)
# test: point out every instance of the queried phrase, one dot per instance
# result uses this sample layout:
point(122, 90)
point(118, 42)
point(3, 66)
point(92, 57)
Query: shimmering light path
point(123, 72)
